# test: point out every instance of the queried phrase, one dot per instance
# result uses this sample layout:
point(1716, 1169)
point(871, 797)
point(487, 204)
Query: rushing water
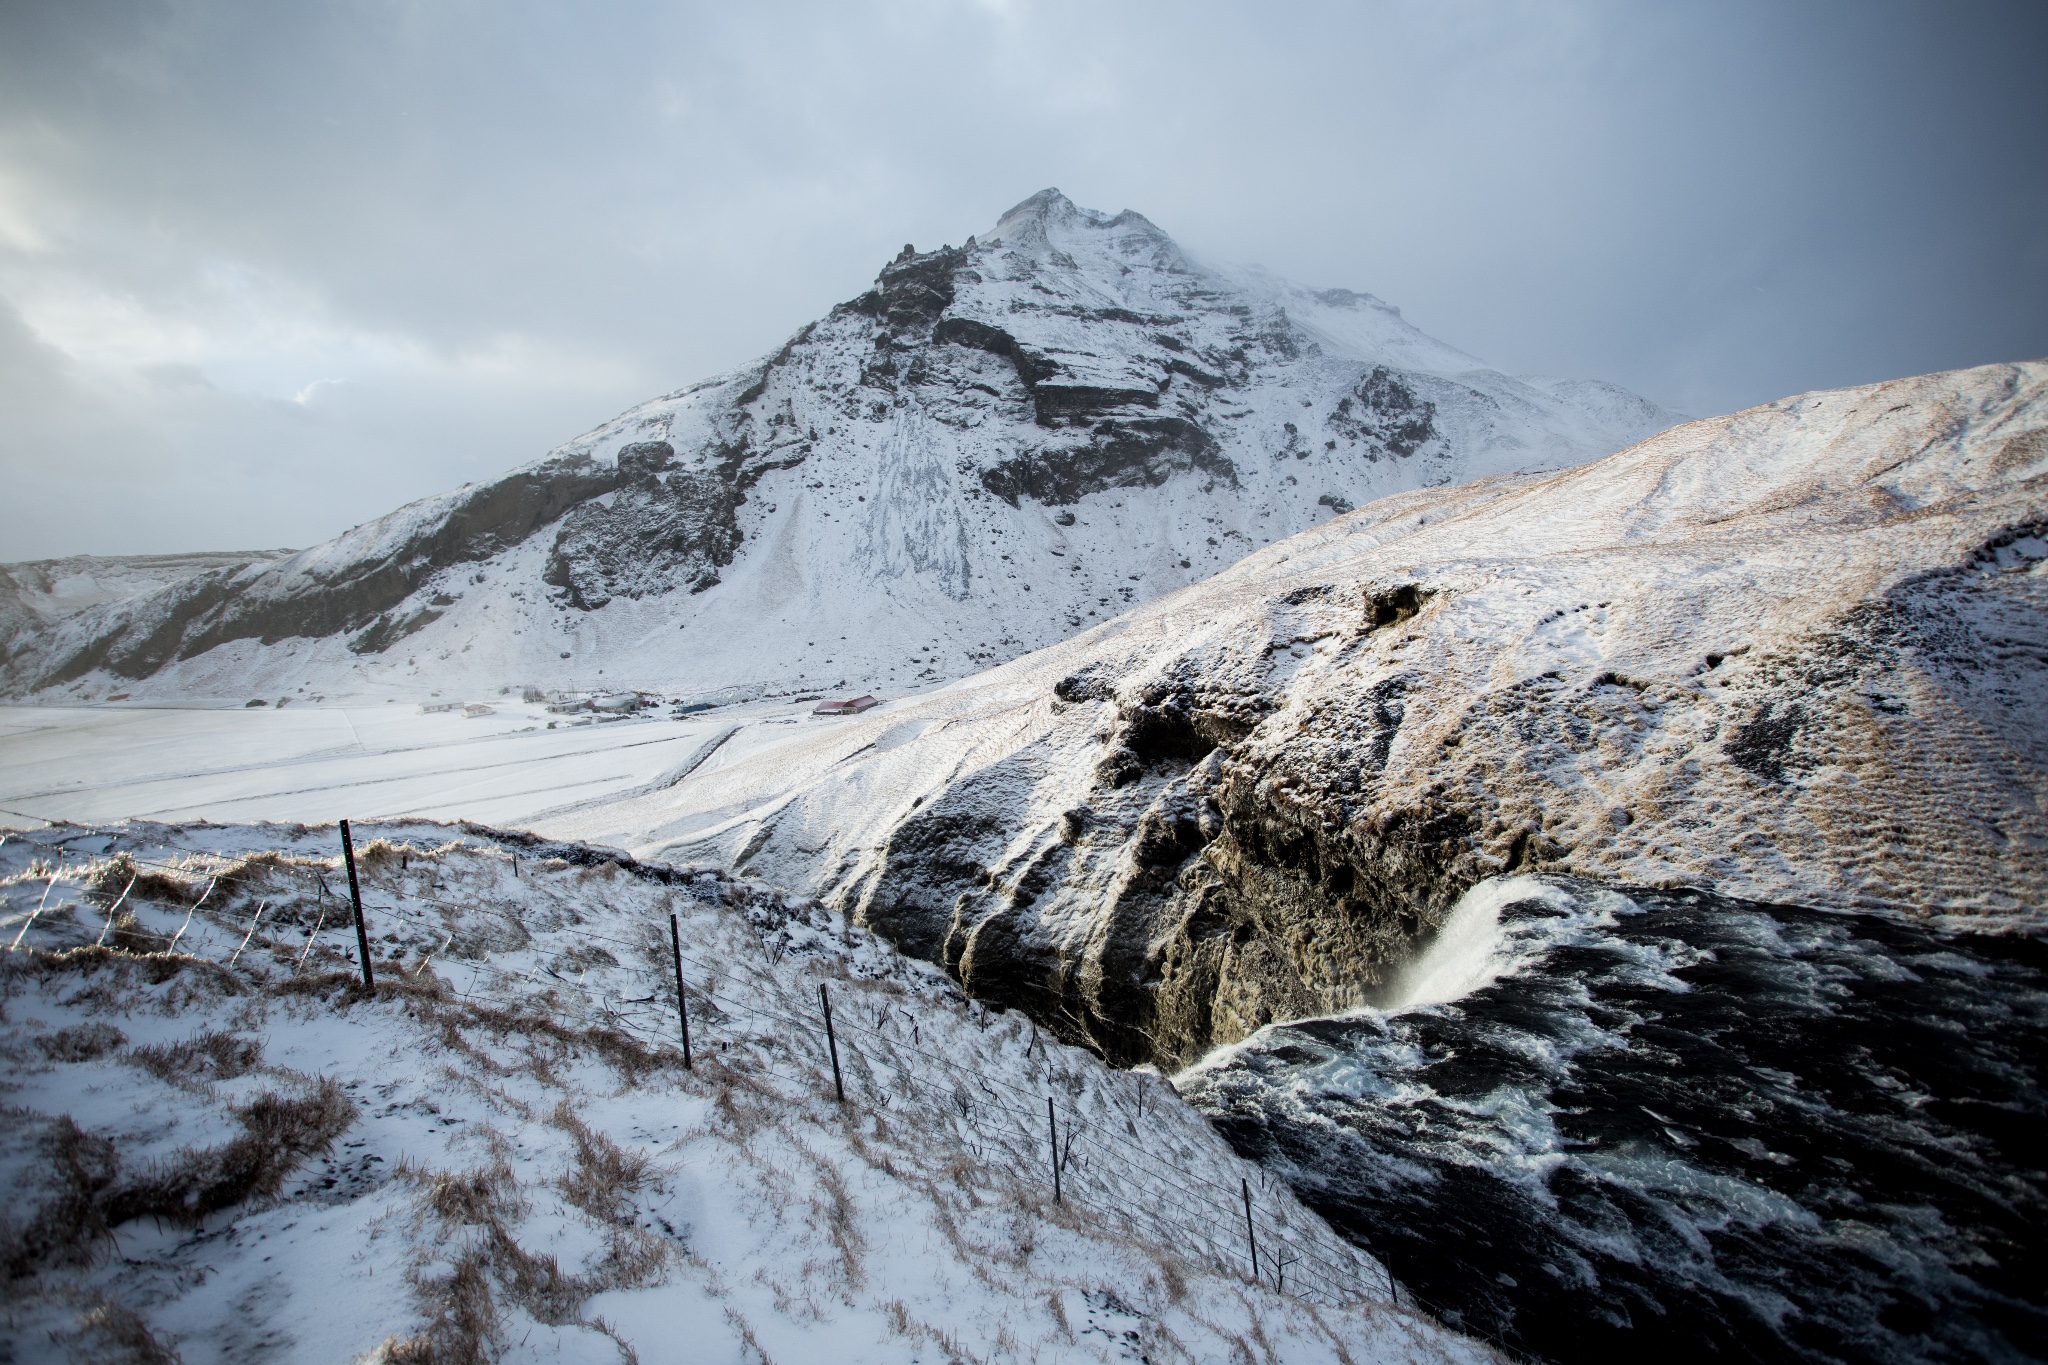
point(1588, 1123)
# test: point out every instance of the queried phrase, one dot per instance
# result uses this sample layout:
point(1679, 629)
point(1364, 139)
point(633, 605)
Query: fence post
point(355, 896)
point(38, 910)
point(832, 1044)
point(115, 911)
point(1052, 1130)
point(251, 934)
point(1250, 1234)
point(675, 946)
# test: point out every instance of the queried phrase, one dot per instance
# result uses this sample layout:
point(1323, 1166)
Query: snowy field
point(219, 1145)
point(316, 764)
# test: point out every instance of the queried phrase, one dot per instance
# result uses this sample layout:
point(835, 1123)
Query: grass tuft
point(277, 1134)
point(81, 1042)
point(204, 1057)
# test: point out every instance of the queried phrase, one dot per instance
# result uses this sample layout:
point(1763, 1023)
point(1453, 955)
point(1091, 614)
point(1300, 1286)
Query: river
point(1587, 1122)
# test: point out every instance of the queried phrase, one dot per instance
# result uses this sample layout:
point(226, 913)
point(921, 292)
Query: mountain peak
point(1050, 229)
point(1028, 222)
point(995, 446)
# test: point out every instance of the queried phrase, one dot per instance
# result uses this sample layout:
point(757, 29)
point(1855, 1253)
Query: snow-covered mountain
point(998, 445)
point(1797, 654)
point(40, 592)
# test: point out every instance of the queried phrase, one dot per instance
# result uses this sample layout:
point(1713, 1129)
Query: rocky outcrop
point(1797, 654)
point(357, 586)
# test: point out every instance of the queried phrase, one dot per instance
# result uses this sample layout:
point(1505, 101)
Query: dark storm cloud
point(269, 270)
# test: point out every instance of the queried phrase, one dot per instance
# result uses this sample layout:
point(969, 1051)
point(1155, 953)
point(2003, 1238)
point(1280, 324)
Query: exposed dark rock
point(642, 460)
point(1079, 404)
point(1763, 743)
point(912, 291)
point(1139, 453)
point(1384, 415)
point(273, 603)
point(388, 629)
point(658, 534)
point(1031, 368)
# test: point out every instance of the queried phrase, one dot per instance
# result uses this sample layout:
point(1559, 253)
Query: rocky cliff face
point(1797, 654)
point(996, 445)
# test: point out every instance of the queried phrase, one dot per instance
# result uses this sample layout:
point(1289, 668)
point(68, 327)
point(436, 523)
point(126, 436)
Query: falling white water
point(1472, 950)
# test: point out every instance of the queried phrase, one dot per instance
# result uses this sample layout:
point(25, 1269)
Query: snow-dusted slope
point(996, 446)
point(1799, 653)
point(39, 592)
point(219, 1146)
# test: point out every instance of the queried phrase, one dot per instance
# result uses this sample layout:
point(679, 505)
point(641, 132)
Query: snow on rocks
point(1792, 654)
point(996, 446)
point(219, 1142)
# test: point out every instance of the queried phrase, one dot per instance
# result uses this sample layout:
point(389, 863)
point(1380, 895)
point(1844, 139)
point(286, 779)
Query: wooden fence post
point(1250, 1234)
point(832, 1044)
point(355, 896)
point(675, 945)
point(1052, 1131)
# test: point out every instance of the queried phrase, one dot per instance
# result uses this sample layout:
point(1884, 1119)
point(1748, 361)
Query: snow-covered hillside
point(998, 445)
point(218, 1145)
point(1796, 654)
point(40, 592)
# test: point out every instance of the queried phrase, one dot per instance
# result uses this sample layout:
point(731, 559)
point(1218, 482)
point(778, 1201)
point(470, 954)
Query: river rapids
point(1585, 1122)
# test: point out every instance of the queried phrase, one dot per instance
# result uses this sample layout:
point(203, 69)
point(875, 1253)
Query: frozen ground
point(317, 764)
point(217, 1145)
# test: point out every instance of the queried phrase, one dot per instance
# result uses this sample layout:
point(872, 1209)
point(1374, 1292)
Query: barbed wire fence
point(1091, 1162)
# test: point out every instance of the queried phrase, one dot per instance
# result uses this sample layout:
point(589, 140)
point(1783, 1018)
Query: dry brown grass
point(122, 971)
point(344, 987)
point(474, 1211)
point(114, 1335)
point(122, 873)
point(81, 1042)
point(480, 1198)
point(380, 853)
point(278, 1133)
point(463, 1325)
point(66, 1229)
point(605, 1176)
point(203, 1057)
point(127, 935)
point(627, 1055)
point(834, 1207)
point(1173, 1276)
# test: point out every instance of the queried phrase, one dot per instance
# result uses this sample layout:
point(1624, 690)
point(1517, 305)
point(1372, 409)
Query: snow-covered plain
point(315, 763)
point(218, 1145)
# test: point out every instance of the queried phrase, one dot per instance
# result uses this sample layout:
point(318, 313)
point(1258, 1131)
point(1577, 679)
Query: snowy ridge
point(998, 445)
point(499, 1153)
point(38, 592)
point(1795, 654)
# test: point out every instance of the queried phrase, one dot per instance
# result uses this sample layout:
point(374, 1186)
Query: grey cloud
point(501, 224)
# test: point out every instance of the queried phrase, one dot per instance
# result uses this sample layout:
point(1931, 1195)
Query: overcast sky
point(269, 270)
